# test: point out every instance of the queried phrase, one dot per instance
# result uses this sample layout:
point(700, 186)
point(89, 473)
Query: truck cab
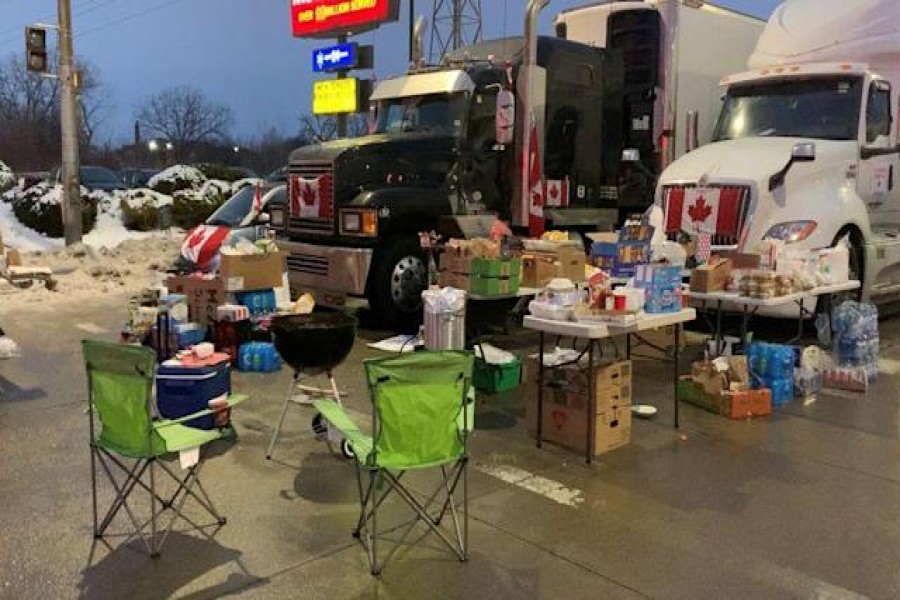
point(356, 206)
point(805, 149)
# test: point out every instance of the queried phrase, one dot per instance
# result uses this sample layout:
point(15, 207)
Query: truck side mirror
point(631, 155)
point(505, 117)
point(801, 152)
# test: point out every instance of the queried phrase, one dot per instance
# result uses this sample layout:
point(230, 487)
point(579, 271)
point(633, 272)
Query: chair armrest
point(233, 401)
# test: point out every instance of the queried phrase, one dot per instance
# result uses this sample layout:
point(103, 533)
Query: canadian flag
point(257, 199)
point(558, 192)
point(309, 197)
point(536, 191)
point(700, 210)
point(201, 245)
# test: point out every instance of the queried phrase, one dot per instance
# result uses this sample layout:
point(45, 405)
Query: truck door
point(879, 165)
point(485, 180)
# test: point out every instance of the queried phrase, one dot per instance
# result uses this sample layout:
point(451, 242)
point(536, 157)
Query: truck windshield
point(434, 113)
point(822, 108)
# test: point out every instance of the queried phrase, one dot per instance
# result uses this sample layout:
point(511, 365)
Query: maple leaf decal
point(309, 195)
point(554, 192)
point(700, 211)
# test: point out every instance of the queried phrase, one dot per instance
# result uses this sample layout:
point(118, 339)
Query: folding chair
point(420, 420)
point(120, 393)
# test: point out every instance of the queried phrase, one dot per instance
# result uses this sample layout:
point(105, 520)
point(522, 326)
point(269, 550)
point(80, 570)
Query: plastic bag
point(444, 300)
point(823, 330)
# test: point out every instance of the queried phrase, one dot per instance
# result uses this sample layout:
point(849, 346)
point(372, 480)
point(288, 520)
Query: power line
point(126, 18)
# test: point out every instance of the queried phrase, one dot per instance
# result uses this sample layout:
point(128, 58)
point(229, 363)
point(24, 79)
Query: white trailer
point(686, 47)
point(806, 148)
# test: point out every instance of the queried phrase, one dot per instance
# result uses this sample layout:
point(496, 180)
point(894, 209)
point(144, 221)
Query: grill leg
point(284, 409)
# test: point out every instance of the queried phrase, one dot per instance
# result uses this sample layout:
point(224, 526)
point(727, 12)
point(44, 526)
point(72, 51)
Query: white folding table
point(594, 332)
point(750, 306)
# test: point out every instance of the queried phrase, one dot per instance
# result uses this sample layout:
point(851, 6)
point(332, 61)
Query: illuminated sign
point(334, 58)
point(330, 18)
point(335, 96)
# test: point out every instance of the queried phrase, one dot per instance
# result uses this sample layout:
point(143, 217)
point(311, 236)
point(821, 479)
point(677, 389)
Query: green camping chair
point(420, 420)
point(120, 393)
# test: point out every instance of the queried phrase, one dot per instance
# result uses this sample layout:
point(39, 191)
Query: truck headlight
point(359, 222)
point(791, 231)
point(276, 218)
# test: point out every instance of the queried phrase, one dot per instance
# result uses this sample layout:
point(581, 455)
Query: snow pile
point(242, 183)
point(7, 178)
point(142, 197)
point(175, 173)
point(86, 271)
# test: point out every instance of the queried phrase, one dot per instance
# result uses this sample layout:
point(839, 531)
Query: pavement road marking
point(91, 328)
point(552, 490)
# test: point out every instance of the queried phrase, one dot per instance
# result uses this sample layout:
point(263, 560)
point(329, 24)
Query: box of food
point(204, 295)
point(496, 267)
point(538, 271)
point(494, 286)
point(711, 277)
point(745, 404)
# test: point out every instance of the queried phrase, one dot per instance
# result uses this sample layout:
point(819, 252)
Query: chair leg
point(156, 549)
point(121, 500)
point(94, 488)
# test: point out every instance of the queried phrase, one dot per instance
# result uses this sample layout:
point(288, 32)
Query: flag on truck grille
point(201, 245)
point(718, 211)
point(311, 198)
point(535, 186)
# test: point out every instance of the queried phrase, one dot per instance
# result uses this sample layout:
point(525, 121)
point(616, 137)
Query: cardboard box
point(496, 267)
point(746, 404)
point(493, 286)
point(204, 296)
point(741, 260)
point(657, 343)
point(537, 271)
point(455, 262)
point(460, 281)
point(567, 426)
point(251, 272)
point(711, 277)
point(569, 261)
point(568, 386)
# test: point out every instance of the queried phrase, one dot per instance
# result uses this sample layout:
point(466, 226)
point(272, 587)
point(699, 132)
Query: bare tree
point(184, 116)
point(29, 113)
point(318, 128)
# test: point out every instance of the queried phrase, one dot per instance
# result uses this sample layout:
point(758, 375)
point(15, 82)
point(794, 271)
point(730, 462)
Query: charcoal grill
point(313, 345)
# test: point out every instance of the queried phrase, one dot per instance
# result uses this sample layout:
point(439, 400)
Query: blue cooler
point(181, 391)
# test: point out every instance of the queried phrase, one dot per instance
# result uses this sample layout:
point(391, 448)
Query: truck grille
point(733, 209)
point(306, 263)
point(311, 195)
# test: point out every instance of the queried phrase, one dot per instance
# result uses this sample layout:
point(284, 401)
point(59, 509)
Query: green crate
point(496, 378)
point(495, 267)
point(494, 286)
point(692, 393)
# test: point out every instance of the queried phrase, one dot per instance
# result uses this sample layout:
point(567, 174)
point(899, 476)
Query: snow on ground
point(7, 178)
point(16, 235)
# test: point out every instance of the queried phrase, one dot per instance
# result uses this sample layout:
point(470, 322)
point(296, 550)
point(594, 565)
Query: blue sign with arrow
point(335, 58)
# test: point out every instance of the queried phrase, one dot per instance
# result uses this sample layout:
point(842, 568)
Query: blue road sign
point(335, 58)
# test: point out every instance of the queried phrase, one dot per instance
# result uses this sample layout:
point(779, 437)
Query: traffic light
point(36, 49)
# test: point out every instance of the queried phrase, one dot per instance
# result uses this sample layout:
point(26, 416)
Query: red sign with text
point(329, 18)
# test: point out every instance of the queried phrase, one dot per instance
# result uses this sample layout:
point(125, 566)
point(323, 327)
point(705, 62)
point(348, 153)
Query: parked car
point(94, 178)
point(137, 178)
point(234, 220)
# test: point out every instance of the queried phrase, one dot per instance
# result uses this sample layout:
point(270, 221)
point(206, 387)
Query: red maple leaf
point(553, 192)
point(309, 195)
point(700, 211)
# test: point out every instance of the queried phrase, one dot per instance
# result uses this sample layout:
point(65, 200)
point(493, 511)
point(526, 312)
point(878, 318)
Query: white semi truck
point(806, 147)
point(676, 53)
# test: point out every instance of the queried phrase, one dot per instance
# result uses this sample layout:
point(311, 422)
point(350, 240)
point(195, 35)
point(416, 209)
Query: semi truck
point(805, 149)
point(455, 139)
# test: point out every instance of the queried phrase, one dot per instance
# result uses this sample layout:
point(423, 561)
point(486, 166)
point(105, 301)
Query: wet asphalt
point(805, 504)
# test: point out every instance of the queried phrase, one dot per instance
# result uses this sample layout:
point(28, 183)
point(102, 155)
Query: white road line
point(91, 328)
point(552, 490)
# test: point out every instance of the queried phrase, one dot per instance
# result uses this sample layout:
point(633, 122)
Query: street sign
point(336, 96)
point(335, 58)
point(331, 18)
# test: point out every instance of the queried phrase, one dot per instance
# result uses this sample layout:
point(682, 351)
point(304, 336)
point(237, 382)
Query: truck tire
point(400, 275)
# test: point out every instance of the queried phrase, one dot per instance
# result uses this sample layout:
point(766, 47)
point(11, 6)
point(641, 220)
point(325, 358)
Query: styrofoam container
point(545, 310)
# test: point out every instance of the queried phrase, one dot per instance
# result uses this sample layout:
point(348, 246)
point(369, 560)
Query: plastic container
point(545, 310)
point(181, 391)
point(258, 357)
point(782, 391)
point(260, 302)
point(496, 378)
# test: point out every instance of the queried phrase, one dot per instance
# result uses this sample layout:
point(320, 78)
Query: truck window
point(434, 113)
point(825, 108)
point(878, 112)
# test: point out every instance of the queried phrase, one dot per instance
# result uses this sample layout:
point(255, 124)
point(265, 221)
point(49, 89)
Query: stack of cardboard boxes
point(566, 392)
point(725, 392)
point(549, 261)
point(477, 267)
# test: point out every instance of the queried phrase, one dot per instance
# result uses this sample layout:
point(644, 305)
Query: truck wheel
point(401, 274)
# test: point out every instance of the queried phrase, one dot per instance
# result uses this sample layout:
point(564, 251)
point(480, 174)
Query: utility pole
point(342, 117)
point(71, 208)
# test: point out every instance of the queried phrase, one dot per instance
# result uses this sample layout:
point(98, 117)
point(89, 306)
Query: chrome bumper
point(341, 270)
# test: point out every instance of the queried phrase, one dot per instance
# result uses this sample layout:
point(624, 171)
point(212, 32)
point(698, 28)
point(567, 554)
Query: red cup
point(619, 301)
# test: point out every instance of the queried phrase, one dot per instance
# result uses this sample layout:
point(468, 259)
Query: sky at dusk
point(239, 52)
